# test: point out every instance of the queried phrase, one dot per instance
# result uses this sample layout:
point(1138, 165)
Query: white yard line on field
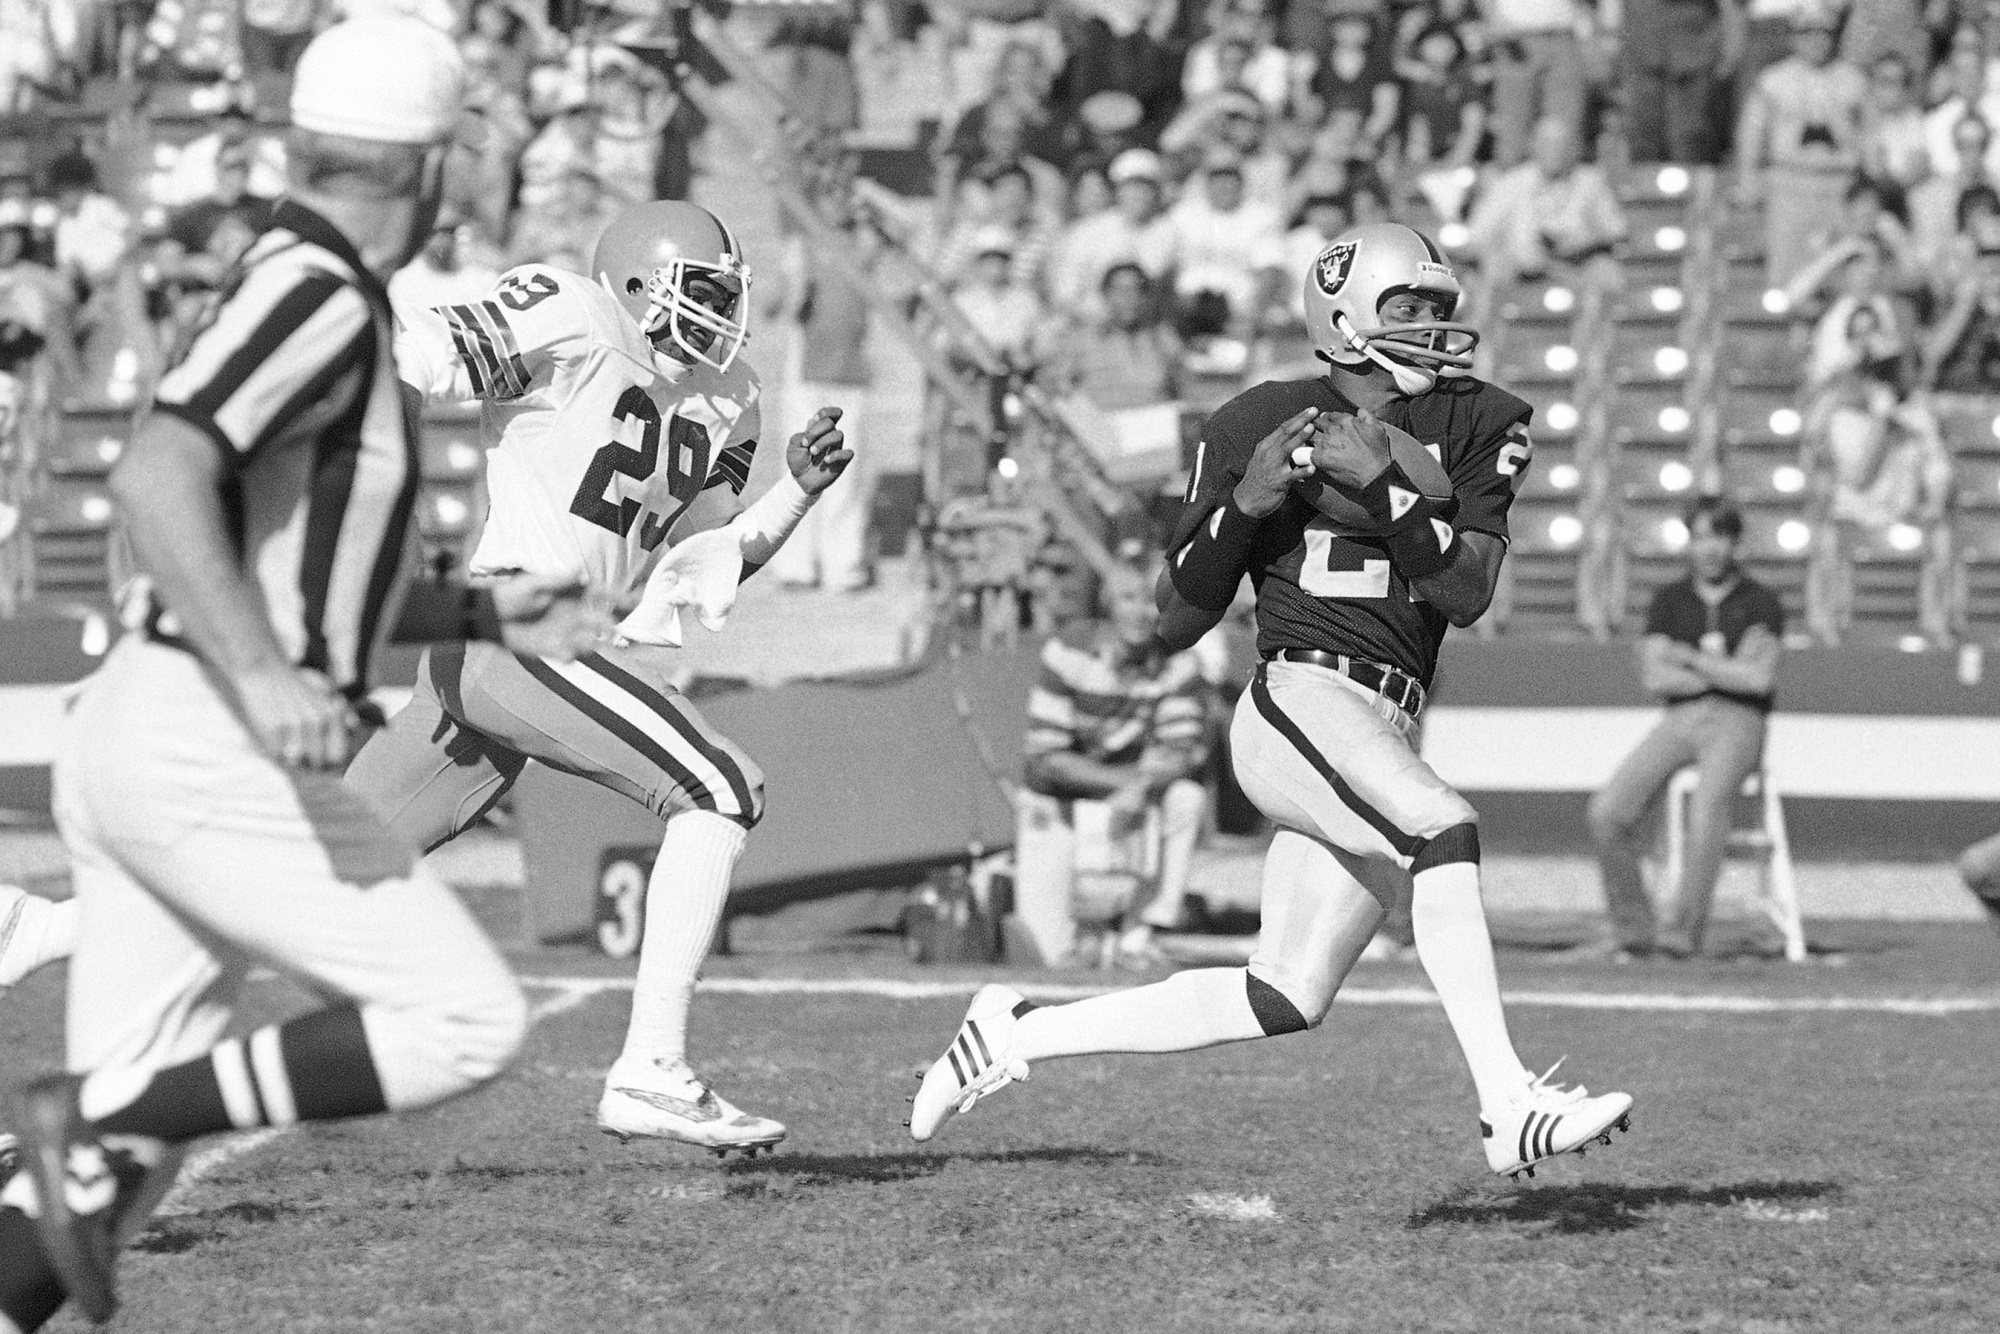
point(1656, 1002)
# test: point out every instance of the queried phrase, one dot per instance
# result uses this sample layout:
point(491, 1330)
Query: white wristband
point(763, 527)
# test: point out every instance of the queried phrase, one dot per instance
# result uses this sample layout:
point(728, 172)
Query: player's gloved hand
point(1273, 467)
point(297, 716)
point(1352, 450)
point(818, 455)
point(560, 618)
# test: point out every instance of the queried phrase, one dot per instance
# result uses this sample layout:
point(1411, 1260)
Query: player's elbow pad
point(1207, 570)
point(1423, 542)
point(763, 527)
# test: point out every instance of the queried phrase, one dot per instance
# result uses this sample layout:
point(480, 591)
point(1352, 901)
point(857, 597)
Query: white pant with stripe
point(1335, 765)
point(196, 858)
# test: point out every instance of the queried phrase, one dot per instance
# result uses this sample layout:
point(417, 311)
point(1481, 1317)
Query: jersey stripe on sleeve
point(487, 346)
point(732, 466)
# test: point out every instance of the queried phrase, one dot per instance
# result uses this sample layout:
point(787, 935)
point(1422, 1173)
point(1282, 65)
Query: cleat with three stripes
point(1545, 1121)
point(979, 1062)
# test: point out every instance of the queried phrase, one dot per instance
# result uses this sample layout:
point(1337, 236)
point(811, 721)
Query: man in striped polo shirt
point(267, 498)
point(1116, 731)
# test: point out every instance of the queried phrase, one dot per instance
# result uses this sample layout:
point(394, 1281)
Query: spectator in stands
point(1962, 355)
point(1239, 52)
point(203, 239)
point(563, 228)
point(1111, 804)
point(1676, 58)
point(1970, 91)
point(1799, 141)
point(811, 43)
point(1090, 192)
point(1231, 123)
point(1227, 249)
point(37, 42)
point(1135, 230)
point(1875, 28)
point(446, 271)
point(1005, 312)
point(1549, 216)
point(1001, 145)
point(481, 180)
point(632, 107)
point(1955, 269)
point(1880, 452)
point(1353, 82)
point(1124, 45)
point(1937, 203)
point(1330, 167)
point(1014, 121)
point(978, 34)
point(1128, 358)
point(827, 365)
point(36, 301)
point(1861, 268)
point(1710, 654)
point(93, 233)
point(275, 33)
point(1867, 220)
point(1540, 69)
point(1444, 112)
point(1010, 208)
point(1894, 140)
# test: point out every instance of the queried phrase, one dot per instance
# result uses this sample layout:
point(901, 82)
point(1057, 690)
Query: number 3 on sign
point(1337, 568)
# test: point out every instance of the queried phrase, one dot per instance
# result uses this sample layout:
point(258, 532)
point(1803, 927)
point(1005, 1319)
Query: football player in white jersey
point(620, 422)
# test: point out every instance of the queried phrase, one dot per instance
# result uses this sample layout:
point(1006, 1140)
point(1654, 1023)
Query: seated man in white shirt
point(1548, 216)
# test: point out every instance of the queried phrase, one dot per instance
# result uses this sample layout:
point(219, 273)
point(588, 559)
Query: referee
point(267, 497)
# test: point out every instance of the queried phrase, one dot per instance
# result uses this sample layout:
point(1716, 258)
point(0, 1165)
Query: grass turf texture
point(1787, 1172)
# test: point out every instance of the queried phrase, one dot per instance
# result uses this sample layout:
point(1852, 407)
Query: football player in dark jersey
point(1369, 507)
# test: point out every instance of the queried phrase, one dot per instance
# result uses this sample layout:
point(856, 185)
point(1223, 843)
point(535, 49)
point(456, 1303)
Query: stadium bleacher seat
point(70, 520)
point(1976, 558)
point(1647, 347)
point(1652, 546)
point(1755, 351)
point(1543, 559)
point(88, 443)
point(449, 508)
point(1777, 550)
point(1651, 429)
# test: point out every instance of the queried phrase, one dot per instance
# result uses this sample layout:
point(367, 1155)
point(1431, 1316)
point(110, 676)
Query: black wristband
point(479, 616)
point(1421, 549)
point(1207, 570)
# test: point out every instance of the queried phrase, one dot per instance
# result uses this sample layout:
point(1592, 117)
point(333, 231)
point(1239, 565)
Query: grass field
point(1793, 1167)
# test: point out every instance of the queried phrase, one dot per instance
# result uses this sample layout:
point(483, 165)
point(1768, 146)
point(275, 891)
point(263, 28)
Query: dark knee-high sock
point(315, 1068)
point(29, 1292)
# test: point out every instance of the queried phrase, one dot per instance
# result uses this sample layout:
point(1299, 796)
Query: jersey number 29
point(687, 466)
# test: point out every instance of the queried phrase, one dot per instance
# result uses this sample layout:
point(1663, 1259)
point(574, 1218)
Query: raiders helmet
point(646, 258)
point(1355, 274)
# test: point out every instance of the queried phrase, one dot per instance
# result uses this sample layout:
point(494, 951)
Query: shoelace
point(1540, 1088)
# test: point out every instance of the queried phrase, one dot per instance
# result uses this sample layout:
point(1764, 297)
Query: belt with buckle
point(1399, 688)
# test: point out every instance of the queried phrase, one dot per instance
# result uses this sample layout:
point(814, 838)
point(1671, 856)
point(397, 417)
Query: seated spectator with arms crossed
point(1711, 654)
point(1117, 734)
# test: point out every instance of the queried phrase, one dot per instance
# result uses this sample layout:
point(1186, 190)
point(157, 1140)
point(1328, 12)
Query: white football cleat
point(978, 1062)
point(33, 931)
point(660, 1101)
point(1547, 1120)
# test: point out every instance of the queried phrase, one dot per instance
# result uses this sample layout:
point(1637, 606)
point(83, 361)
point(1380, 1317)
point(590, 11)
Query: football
point(1338, 503)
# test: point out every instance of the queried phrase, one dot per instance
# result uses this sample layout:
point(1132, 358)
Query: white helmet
point(646, 258)
point(1355, 274)
point(389, 78)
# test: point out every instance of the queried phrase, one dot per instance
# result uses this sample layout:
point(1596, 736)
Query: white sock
point(1457, 953)
point(1202, 1007)
point(34, 931)
point(684, 899)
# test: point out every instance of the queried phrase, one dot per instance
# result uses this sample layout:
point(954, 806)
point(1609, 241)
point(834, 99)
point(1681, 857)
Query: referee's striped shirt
point(293, 377)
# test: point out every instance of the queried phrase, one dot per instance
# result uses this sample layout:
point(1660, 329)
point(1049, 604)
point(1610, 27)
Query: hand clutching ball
point(1365, 470)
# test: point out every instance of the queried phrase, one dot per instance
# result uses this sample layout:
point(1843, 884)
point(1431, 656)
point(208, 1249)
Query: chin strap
point(1410, 380)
